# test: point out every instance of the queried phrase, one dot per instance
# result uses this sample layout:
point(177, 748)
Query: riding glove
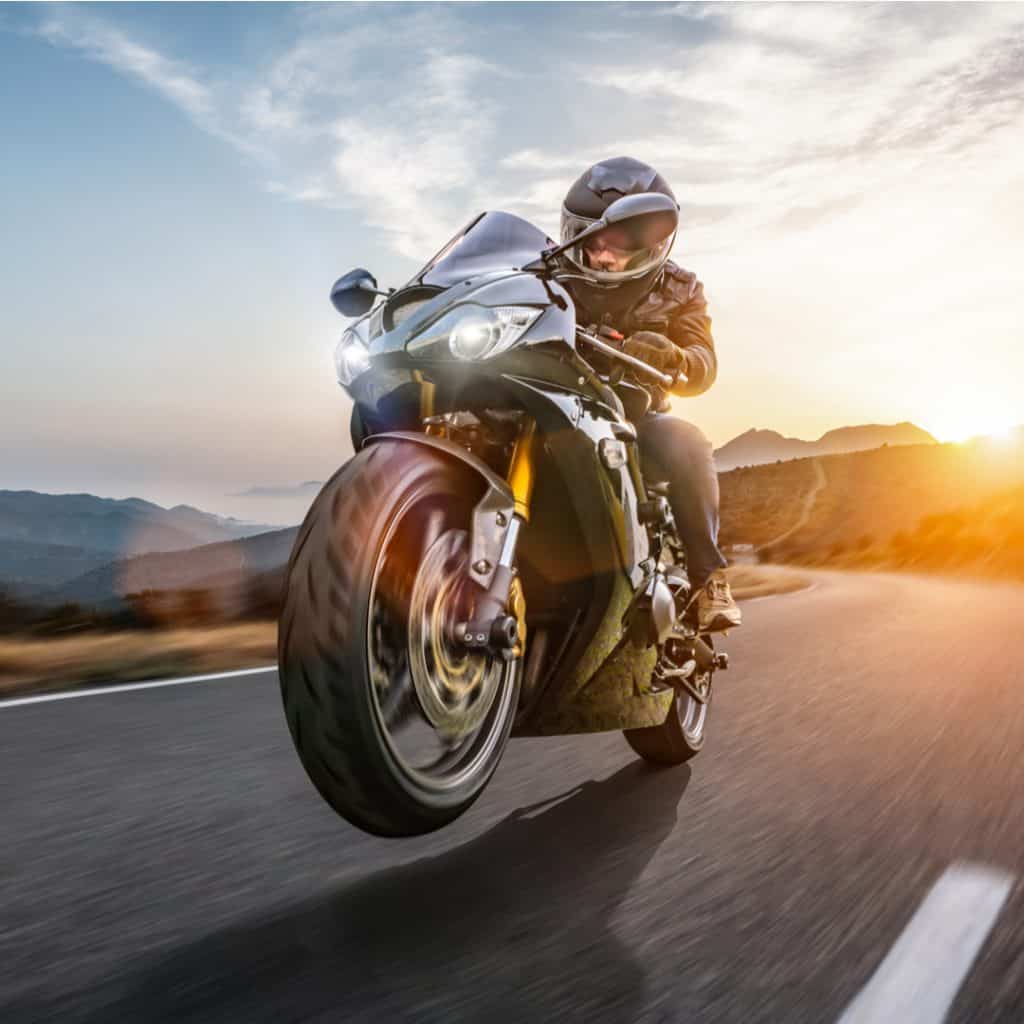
point(655, 349)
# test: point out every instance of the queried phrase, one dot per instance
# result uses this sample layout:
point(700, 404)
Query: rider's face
point(604, 254)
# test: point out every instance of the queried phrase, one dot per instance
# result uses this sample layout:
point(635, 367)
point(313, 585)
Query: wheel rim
point(441, 710)
point(693, 716)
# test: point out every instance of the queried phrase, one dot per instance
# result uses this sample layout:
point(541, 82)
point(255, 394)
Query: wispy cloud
point(768, 118)
point(789, 110)
point(307, 489)
point(174, 80)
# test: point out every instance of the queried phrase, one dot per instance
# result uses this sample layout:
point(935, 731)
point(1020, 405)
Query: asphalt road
point(164, 858)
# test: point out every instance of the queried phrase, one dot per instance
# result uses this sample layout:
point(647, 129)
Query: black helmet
point(591, 194)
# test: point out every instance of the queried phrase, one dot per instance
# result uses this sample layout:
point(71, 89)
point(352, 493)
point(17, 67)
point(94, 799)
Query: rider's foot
point(716, 609)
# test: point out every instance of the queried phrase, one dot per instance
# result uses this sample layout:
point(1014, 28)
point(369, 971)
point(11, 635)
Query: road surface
point(164, 857)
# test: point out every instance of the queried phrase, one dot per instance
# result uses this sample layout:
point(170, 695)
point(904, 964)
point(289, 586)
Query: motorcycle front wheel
point(397, 726)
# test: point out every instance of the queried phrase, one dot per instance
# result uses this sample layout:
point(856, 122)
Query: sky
point(181, 184)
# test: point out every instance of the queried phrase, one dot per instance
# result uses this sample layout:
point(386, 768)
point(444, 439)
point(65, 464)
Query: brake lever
point(664, 379)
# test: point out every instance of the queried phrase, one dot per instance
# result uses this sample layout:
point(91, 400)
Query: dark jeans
point(674, 450)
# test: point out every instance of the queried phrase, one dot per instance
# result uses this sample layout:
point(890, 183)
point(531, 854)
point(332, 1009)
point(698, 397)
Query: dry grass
point(30, 663)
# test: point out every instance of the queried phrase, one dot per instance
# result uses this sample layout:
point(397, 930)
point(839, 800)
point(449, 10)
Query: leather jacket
point(675, 306)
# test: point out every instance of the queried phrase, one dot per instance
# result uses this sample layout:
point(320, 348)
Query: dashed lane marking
point(99, 691)
point(919, 979)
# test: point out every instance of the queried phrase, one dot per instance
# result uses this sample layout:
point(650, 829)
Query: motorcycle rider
point(629, 287)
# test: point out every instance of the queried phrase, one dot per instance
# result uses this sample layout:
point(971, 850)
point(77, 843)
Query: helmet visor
point(621, 252)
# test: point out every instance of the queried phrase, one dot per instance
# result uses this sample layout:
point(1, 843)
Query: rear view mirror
point(649, 215)
point(354, 293)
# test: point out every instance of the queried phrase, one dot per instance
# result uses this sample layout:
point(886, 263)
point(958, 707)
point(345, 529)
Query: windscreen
point(494, 241)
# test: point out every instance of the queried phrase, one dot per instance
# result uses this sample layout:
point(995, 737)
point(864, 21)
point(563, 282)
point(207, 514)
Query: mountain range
point(47, 539)
point(756, 447)
point(94, 551)
point(226, 568)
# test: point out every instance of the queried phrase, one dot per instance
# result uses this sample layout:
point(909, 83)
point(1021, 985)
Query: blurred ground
point(32, 663)
point(29, 663)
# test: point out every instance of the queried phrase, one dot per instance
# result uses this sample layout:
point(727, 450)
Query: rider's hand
point(655, 349)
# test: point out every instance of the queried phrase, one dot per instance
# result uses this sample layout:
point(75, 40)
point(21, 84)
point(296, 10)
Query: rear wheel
point(398, 726)
point(680, 737)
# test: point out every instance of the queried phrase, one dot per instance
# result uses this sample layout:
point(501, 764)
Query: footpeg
point(721, 661)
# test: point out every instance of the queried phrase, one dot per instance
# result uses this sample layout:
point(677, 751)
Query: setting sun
point(960, 421)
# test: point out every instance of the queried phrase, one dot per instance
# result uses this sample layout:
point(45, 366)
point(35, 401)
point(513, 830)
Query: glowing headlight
point(351, 358)
point(476, 332)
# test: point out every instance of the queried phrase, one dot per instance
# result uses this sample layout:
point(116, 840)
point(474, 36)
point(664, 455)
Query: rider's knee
point(677, 441)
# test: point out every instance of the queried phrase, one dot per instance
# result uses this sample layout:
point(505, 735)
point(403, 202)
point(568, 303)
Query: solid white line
point(919, 979)
point(97, 691)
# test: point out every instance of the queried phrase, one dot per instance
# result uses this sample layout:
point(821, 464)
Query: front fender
point(492, 514)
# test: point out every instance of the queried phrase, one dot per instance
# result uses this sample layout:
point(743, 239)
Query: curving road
point(164, 858)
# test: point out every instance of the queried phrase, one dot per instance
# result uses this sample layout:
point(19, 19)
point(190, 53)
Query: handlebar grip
point(664, 379)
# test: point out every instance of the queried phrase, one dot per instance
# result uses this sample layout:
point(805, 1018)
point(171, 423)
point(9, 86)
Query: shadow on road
point(515, 924)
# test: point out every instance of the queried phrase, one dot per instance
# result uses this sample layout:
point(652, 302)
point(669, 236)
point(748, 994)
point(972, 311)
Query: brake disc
point(455, 686)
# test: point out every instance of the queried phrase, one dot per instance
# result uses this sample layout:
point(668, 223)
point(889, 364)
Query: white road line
point(919, 979)
point(97, 691)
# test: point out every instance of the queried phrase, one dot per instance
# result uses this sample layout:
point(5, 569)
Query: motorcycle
point(491, 562)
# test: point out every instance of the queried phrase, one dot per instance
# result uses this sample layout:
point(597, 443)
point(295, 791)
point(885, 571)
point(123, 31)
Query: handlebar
point(664, 379)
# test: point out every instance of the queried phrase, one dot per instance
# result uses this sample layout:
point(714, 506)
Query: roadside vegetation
point(29, 662)
point(155, 633)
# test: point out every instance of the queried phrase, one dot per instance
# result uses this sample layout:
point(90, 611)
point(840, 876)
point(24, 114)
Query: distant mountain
point(46, 539)
point(224, 567)
point(756, 447)
point(125, 526)
point(26, 568)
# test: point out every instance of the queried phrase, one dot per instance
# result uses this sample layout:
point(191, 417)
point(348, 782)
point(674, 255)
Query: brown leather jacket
point(676, 307)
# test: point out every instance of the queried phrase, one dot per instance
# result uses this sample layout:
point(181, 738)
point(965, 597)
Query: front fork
point(499, 617)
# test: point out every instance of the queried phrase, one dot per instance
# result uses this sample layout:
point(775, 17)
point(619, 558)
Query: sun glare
point(959, 422)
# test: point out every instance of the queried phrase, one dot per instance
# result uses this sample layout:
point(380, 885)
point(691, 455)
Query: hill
point(27, 568)
point(757, 447)
point(47, 539)
point(126, 526)
point(226, 568)
point(929, 505)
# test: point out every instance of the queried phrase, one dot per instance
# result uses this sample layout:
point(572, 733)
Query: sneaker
point(716, 609)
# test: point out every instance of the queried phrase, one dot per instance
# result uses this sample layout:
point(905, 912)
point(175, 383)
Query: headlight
point(351, 358)
point(476, 332)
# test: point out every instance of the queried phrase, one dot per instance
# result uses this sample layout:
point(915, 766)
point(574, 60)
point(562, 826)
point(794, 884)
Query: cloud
point(304, 490)
point(769, 120)
point(174, 80)
point(411, 168)
point(810, 108)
